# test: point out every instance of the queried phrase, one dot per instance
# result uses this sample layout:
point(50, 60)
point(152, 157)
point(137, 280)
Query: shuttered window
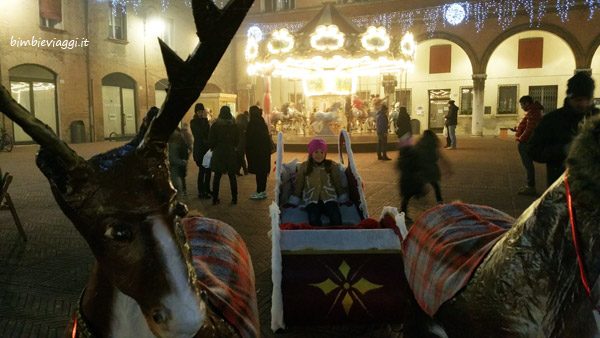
point(546, 95)
point(51, 13)
point(440, 59)
point(531, 52)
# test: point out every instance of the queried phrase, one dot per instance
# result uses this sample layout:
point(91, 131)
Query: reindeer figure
point(533, 280)
point(145, 282)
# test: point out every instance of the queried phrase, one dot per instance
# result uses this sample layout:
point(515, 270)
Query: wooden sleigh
point(334, 274)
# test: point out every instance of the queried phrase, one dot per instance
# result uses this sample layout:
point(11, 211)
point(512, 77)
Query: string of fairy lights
point(453, 14)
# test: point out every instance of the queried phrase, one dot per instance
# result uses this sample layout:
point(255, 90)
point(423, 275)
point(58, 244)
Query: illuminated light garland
point(406, 21)
point(455, 13)
point(408, 46)
point(165, 5)
point(563, 7)
point(256, 33)
point(507, 11)
point(593, 5)
point(375, 38)
point(251, 51)
point(281, 42)
point(431, 18)
point(327, 37)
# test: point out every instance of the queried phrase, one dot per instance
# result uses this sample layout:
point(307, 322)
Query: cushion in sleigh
point(445, 246)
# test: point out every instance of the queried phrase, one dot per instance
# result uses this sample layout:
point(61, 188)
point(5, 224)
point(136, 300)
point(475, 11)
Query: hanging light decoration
point(455, 14)
point(281, 42)
point(327, 38)
point(375, 38)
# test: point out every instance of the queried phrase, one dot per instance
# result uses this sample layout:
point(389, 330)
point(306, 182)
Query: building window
point(507, 99)
point(51, 13)
point(531, 52)
point(117, 21)
point(404, 97)
point(440, 59)
point(466, 101)
point(279, 5)
point(546, 95)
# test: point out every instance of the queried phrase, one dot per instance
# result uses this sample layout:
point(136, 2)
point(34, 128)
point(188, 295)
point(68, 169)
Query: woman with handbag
point(258, 151)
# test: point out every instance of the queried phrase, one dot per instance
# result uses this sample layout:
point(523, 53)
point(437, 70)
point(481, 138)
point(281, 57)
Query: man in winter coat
point(552, 137)
point(403, 127)
point(382, 131)
point(258, 151)
point(451, 123)
point(523, 134)
point(200, 129)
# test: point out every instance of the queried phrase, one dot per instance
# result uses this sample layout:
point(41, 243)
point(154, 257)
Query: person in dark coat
point(551, 139)
point(258, 151)
point(242, 123)
point(403, 128)
point(178, 158)
point(223, 140)
point(420, 165)
point(451, 123)
point(382, 132)
point(200, 129)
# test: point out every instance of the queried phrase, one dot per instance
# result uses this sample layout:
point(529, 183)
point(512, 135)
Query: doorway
point(438, 108)
point(119, 105)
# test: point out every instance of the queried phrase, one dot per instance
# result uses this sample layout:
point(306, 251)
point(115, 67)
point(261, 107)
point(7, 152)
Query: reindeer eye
point(119, 232)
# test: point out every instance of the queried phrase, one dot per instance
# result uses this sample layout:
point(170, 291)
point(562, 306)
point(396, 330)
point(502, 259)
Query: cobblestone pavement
point(40, 281)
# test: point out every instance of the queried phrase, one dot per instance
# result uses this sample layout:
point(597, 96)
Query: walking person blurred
point(420, 165)
point(382, 132)
point(200, 129)
point(451, 123)
point(523, 133)
point(258, 151)
point(242, 123)
point(223, 140)
point(189, 142)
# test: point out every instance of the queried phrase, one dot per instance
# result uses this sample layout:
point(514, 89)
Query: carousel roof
point(329, 15)
point(329, 47)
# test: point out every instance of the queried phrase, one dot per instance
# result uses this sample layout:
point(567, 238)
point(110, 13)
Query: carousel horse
point(154, 274)
point(289, 118)
point(476, 272)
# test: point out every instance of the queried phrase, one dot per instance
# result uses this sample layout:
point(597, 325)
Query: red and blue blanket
point(445, 246)
point(224, 270)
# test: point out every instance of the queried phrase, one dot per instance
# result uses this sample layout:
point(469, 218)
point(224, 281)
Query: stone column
point(478, 108)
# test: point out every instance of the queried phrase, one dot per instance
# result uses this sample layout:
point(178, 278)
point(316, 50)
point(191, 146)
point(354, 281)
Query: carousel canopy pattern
point(330, 52)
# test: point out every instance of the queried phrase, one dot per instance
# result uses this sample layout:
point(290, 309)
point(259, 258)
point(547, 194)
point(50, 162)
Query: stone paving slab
point(40, 281)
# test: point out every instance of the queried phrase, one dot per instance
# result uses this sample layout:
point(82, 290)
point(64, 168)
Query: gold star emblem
point(347, 293)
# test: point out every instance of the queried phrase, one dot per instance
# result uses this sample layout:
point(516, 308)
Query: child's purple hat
point(317, 144)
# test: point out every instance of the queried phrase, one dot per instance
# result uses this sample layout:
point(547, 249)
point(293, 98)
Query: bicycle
point(6, 141)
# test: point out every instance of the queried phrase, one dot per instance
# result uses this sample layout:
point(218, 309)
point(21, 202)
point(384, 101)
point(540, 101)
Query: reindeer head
point(122, 201)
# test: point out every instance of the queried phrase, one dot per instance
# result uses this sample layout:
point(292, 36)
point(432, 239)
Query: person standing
point(403, 127)
point(348, 113)
point(200, 129)
point(552, 137)
point(189, 142)
point(242, 123)
point(178, 158)
point(524, 131)
point(258, 151)
point(382, 132)
point(223, 139)
point(451, 123)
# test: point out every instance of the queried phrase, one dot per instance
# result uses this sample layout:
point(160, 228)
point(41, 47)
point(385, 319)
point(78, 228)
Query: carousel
point(329, 55)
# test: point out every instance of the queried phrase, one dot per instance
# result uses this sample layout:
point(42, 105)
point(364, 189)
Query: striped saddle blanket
point(445, 246)
point(224, 270)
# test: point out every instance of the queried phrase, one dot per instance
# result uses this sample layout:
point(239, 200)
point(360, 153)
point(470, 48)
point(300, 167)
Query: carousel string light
point(327, 37)
point(375, 38)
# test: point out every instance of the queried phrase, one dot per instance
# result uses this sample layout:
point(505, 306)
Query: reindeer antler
point(40, 132)
point(215, 28)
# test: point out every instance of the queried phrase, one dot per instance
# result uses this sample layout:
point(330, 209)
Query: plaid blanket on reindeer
point(445, 246)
